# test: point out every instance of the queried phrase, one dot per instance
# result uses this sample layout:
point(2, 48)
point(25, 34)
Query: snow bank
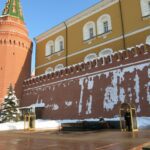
point(39, 124)
point(47, 124)
point(12, 126)
point(143, 123)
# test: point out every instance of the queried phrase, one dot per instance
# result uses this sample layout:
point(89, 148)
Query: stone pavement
point(87, 140)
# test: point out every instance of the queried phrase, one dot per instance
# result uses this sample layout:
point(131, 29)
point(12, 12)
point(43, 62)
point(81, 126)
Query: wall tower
point(15, 49)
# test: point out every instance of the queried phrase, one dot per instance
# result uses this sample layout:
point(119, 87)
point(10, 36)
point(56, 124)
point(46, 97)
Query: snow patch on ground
point(143, 123)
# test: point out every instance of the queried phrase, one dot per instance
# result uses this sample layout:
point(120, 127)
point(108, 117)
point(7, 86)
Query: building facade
point(103, 29)
point(87, 66)
point(15, 49)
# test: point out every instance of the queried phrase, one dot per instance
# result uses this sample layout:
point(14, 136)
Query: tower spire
point(13, 8)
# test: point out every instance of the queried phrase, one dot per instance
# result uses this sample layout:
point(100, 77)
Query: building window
point(104, 24)
point(148, 40)
point(90, 57)
point(89, 30)
point(59, 44)
point(59, 67)
point(49, 49)
point(145, 7)
point(48, 70)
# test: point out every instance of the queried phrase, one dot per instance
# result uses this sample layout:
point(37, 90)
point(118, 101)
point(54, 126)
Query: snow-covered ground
point(143, 123)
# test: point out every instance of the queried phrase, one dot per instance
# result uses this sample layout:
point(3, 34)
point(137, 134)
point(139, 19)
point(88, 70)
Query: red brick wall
point(15, 55)
point(95, 89)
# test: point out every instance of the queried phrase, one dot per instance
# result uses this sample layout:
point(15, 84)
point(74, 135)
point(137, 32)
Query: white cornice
point(75, 19)
point(50, 32)
point(137, 31)
point(90, 11)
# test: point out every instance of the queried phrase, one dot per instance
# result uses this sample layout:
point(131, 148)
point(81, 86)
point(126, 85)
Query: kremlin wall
point(93, 89)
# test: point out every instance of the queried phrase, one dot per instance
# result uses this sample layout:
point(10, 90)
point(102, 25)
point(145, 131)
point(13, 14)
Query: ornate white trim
point(90, 57)
point(137, 31)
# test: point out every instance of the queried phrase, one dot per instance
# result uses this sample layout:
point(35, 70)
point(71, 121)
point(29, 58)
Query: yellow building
point(100, 30)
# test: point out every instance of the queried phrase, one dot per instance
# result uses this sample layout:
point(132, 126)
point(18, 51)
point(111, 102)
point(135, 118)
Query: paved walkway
point(87, 140)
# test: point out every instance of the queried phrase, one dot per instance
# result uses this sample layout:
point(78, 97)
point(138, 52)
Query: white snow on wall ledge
point(89, 105)
point(68, 103)
point(52, 106)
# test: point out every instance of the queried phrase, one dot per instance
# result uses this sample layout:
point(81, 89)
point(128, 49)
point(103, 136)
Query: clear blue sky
point(41, 15)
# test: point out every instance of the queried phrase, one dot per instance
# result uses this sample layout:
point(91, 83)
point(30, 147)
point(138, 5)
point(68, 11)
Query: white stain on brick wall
point(149, 73)
point(111, 96)
point(137, 88)
point(90, 83)
point(138, 109)
point(89, 105)
point(130, 94)
point(55, 107)
point(148, 92)
point(52, 106)
point(81, 83)
point(68, 103)
point(122, 95)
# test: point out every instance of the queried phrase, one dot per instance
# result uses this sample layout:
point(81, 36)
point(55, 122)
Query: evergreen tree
point(10, 111)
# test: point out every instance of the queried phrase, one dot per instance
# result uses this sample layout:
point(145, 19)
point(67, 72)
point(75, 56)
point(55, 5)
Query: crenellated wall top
point(116, 59)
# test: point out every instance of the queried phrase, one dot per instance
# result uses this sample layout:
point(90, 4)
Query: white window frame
point(48, 50)
point(145, 7)
point(86, 30)
point(148, 40)
point(59, 67)
point(48, 70)
point(105, 52)
point(58, 40)
point(100, 24)
point(90, 57)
